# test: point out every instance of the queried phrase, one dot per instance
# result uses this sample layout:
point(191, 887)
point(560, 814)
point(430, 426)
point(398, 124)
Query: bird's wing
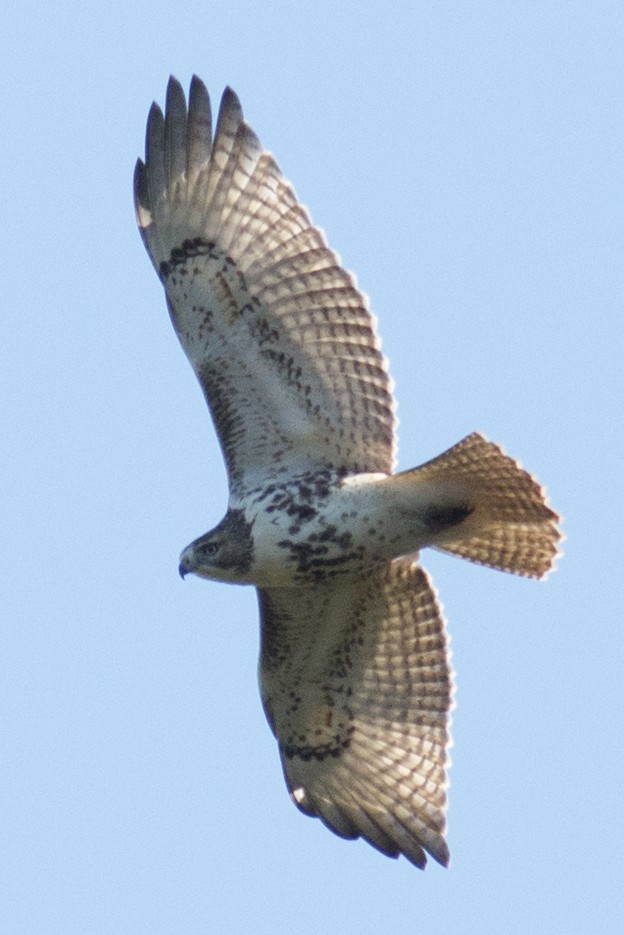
point(357, 686)
point(281, 339)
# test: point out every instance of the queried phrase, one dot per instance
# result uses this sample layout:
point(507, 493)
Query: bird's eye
point(209, 548)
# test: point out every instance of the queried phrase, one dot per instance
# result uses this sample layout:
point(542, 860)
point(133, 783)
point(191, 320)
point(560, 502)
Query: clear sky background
point(465, 159)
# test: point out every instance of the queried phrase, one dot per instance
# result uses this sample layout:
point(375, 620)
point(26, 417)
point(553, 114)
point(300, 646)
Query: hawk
point(354, 670)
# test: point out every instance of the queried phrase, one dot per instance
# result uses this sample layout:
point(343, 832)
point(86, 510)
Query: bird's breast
point(321, 525)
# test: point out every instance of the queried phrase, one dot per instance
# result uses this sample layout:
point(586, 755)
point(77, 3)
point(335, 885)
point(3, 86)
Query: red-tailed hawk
point(354, 668)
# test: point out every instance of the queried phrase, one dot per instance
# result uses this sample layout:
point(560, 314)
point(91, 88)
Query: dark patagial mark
point(330, 737)
point(192, 248)
point(317, 751)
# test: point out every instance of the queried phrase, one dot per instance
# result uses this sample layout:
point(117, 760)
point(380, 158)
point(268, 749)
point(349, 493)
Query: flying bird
point(355, 674)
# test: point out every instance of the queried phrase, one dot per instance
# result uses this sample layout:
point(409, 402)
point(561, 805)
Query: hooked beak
point(184, 568)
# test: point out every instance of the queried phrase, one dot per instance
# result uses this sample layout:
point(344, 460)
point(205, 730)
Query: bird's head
point(225, 553)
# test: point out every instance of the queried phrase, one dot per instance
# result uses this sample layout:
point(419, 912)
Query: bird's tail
point(491, 510)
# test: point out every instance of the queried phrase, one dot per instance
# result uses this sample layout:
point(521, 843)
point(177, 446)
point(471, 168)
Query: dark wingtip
point(197, 87)
point(230, 103)
point(155, 126)
point(141, 194)
point(174, 87)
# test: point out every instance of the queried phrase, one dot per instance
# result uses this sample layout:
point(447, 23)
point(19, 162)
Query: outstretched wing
point(357, 687)
point(281, 340)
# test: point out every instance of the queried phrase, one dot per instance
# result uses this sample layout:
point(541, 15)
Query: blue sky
point(465, 159)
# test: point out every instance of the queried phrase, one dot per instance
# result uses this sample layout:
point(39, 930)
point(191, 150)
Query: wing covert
point(281, 339)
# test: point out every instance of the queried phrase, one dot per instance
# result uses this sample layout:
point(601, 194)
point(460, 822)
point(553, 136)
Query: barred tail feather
point(509, 524)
